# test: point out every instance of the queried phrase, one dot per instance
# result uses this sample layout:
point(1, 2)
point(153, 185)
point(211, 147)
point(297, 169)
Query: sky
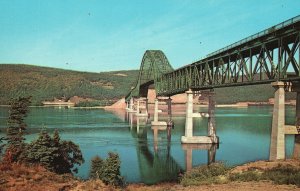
point(110, 35)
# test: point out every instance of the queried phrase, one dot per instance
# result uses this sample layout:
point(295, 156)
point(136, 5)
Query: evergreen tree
point(1, 145)
point(43, 151)
point(55, 155)
point(70, 155)
point(111, 170)
point(16, 124)
point(16, 127)
point(56, 137)
point(96, 167)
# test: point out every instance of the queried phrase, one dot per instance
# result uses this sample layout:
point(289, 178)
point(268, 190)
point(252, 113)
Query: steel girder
point(269, 57)
point(154, 64)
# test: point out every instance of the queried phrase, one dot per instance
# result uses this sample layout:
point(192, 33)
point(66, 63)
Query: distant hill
point(45, 84)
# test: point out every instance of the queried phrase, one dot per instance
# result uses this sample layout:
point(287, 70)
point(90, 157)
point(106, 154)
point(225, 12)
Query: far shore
point(236, 105)
point(105, 107)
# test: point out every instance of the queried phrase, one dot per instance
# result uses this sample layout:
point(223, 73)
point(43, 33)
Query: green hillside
point(45, 84)
point(255, 93)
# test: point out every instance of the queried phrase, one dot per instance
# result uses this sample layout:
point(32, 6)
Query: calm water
point(244, 135)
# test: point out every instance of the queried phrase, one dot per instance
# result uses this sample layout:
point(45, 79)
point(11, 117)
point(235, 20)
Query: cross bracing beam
point(267, 56)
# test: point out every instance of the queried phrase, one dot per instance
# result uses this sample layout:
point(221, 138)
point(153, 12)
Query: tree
point(43, 151)
point(70, 155)
point(110, 170)
point(16, 124)
point(16, 127)
point(55, 155)
point(96, 167)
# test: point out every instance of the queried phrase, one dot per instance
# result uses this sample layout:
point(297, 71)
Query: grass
point(279, 175)
point(208, 174)
point(218, 173)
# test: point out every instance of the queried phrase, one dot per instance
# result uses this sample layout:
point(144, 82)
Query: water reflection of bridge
point(157, 164)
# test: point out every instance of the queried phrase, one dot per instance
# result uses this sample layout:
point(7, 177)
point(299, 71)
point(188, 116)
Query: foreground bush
point(107, 170)
point(53, 154)
point(207, 174)
point(280, 175)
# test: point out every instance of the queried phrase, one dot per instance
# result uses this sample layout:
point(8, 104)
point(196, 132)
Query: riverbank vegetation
point(108, 170)
point(22, 177)
point(46, 155)
point(52, 153)
point(279, 172)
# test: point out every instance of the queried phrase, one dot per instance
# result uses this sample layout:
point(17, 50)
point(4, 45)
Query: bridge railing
point(257, 35)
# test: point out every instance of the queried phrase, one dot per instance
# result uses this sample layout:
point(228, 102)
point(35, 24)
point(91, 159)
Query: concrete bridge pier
point(277, 146)
point(296, 153)
point(142, 107)
point(131, 106)
point(127, 105)
point(169, 103)
point(188, 137)
point(279, 128)
point(211, 117)
point(155, 121)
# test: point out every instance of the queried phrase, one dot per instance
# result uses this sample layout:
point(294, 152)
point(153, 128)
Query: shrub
point(96, 167)
point(53, 154)
point(206, 174)
point(108, 170)
point(279, 175)
point(284, 175)
point(251, 175)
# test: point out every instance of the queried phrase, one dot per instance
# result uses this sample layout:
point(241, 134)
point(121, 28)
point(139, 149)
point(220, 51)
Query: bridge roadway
point(268, 56)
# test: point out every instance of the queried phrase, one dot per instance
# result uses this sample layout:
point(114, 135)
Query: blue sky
point(106, 35)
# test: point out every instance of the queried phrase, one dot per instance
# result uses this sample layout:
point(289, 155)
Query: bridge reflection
point(156, 163)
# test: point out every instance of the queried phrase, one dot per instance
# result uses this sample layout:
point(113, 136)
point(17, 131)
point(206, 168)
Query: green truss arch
point(154, 64)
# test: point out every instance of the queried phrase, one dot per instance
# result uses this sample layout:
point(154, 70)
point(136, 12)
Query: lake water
point(244, 136)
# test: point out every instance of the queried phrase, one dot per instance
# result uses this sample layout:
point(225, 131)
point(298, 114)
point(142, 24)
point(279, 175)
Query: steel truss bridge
point(268, 56)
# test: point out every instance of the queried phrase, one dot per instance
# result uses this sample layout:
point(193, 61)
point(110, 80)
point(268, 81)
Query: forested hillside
point(45, 84)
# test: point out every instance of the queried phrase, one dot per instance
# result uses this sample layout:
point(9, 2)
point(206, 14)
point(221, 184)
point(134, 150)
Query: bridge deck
point(267, 56)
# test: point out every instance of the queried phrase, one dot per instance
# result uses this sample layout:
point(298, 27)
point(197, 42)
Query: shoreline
point(38, 178)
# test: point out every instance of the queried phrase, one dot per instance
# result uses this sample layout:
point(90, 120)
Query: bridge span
point(270, 56)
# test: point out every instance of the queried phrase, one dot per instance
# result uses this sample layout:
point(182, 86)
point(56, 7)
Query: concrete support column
point(211, 115)
point(138, 106)
point(296, 153)
point(189, 115)
point(137, 125)
point(211, 128)
point(155, 118)
point(131, 120)
point(131, 104)
point(169, 102)
point(146, 102)
point(277, 146)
